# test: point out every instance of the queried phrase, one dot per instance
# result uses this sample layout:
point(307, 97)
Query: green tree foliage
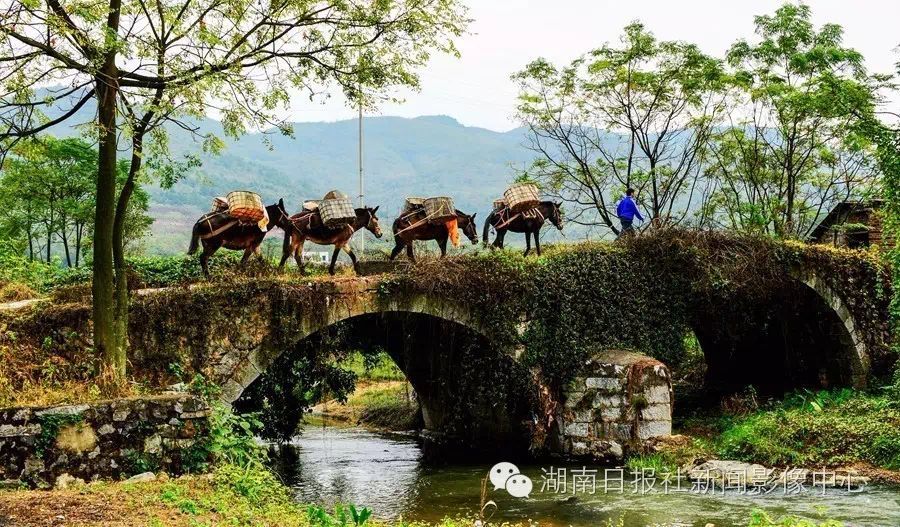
point(48, 188)
point(148, 62)
point(753, 143)
point(787, 153)
point(633, 115)
point(310, 373)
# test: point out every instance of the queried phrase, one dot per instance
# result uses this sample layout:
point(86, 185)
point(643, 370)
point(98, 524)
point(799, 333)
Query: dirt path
point(93, 505)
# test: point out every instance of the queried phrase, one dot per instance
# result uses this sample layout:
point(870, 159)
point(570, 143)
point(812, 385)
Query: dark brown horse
point(308, 226)
point(529, 222)
point(410, 227)
point(219, 229)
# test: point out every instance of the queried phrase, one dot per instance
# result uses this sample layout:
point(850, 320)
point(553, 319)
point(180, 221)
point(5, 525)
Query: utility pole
point(362, 199)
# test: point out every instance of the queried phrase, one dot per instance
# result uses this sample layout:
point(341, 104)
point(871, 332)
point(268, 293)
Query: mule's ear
point(473, 216)
point(281, 202)
point(375, 209)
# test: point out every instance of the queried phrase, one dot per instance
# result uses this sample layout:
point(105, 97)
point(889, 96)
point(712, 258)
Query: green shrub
point(229, 440)
point(816, 429)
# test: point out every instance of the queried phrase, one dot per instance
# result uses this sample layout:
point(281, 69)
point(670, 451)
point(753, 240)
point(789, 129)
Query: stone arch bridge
point(236, 342)
point(809, 334)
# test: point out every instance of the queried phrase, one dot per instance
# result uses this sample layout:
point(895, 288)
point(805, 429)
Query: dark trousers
point(627, 227)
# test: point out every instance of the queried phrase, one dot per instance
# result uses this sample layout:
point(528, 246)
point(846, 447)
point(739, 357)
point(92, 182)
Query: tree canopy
point(755, 141)
point(148, 62)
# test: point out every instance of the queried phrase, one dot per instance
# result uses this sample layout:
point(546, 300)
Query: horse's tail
point(195, 240)
point(487, 228)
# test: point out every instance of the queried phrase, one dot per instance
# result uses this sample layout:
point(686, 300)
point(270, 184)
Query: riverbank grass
point(840, 428)
point(814, 429)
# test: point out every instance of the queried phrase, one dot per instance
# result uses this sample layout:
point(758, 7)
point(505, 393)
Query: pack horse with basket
point(329, 221)
point(431, 219)
point(521, 210)
point(238, 222)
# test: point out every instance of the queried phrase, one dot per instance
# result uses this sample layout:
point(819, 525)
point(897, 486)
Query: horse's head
point(372, 224)
point(278, 216)
point(556, 215)
point(467, 224)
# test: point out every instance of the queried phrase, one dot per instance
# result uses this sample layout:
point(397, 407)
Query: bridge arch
point(857, 355)
point(469, 391)
point(803, 335)
point(240, 367)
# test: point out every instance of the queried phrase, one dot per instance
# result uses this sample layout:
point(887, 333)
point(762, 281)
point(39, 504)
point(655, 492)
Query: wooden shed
point(853, 224)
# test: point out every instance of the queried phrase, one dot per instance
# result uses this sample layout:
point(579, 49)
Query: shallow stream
point(386, 472)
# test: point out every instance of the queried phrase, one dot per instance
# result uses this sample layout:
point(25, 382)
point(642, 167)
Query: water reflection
point(385, 473)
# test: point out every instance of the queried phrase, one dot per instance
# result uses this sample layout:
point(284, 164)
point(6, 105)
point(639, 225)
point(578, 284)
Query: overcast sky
point(507, 34)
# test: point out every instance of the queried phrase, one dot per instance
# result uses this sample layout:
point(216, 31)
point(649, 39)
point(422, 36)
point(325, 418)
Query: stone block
point(648, 429)
point(657, 394)
point(73, 409)
point(579, 448)
point(153, 444)
point(610, 413)
point(608, 384)
point(613, 431)
point(18, 431)
point(121, 414)
point(200, 414)
point(106, 429)
point(657, 412)
point(576, 429)
point(583, 416)
point(608, 401)
point(77, 437)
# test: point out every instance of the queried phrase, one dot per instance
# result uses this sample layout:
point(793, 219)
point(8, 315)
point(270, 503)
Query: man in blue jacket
point(626, 210)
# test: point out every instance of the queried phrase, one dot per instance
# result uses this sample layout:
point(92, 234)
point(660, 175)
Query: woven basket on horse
point(413, 204)
point(499, 203)
point(219, 204)
point(245, 206)
point(439, 209)
point(521, 197)
point(336, 210)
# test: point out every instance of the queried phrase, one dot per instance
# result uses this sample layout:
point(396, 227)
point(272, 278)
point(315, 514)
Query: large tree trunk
point(118, 247)
point(106, 338)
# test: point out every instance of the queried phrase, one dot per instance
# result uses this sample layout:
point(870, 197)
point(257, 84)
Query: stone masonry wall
point(619, 399)
point(109, 439)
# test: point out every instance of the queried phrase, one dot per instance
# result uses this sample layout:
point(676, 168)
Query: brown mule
point(309, 226)
point(218, 229)
point(529, 222)
point(410, 227)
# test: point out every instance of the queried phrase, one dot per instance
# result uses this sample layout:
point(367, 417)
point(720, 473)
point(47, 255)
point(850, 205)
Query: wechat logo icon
point(507, 476)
